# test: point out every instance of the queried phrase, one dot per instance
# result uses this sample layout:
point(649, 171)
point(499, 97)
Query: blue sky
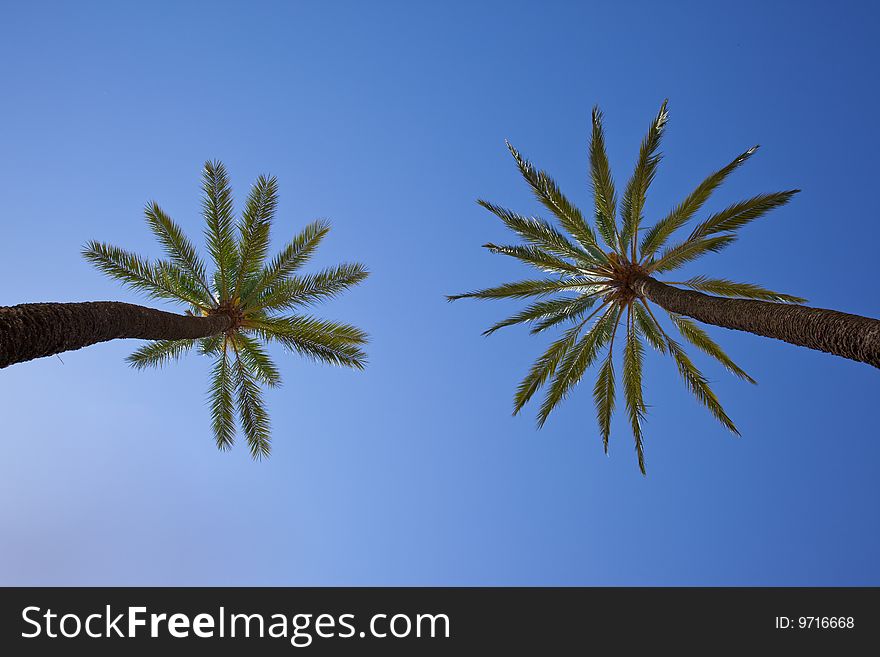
point(389, 119)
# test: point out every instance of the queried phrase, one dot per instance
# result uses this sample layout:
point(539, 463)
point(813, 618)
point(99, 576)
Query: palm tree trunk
point(34, 330)
point(842, 334)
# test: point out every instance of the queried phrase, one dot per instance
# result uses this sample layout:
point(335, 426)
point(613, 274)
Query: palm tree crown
point(259, 297)
point(592, 286)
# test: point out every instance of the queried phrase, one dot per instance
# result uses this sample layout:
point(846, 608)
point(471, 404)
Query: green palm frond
point(699, 386)
point(648, 326)
point(633, 201)
point(546, 313)
point(159, 282)
point(727, 288)
point(545, 367)
point(221, 397)
point(656, 237)
point(324, 341)
point(533, 255)
point(177, 246)
point(571, 313)
point(739, 214)
point(584, 281)
point(633, 356)
point(548, 193)
point(305, 290)
point(603, 184)
point(291, 258)
point(251, 411)
point(254, 230)
point(539, 233)
point(604, 397)
point(691, 249)
point(157, 353)
point(257, 360)
point(577, 359)
point(127, 268)
point(531, 288)
point(212, 345)
point(701, 340)
point(217, 209)
point(186, 288)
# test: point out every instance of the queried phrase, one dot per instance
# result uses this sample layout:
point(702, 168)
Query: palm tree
point(596, 289)
point(231, 314)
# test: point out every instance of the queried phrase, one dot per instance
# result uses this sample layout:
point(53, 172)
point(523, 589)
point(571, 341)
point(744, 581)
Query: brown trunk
point(34, 330)
point(842, 334)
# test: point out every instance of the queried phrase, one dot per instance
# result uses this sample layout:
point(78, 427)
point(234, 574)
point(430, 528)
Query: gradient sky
point(389, 119)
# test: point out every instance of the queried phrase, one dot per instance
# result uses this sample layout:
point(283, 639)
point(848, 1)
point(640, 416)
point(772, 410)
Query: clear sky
point(389, 119)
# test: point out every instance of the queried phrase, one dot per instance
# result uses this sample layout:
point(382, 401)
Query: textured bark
point(842, 334)
point(34, 330)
